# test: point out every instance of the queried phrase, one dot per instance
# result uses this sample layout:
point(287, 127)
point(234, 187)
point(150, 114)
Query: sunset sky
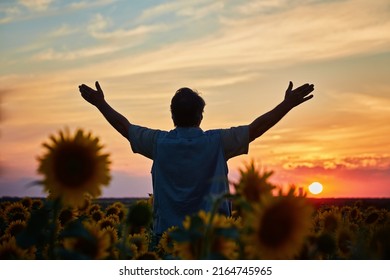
point(239, 54)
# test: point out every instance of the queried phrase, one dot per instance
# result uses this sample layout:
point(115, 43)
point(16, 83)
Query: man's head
point(187, 108)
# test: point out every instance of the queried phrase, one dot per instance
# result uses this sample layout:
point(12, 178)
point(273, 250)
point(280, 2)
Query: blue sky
point(239, 54)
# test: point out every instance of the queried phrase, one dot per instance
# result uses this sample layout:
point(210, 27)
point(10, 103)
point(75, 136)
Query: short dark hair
point(187, 108)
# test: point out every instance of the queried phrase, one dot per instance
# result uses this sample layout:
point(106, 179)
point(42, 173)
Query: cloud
point(36, 5)
point(33, 9)
point(303, 34)
point(311, 32)
point(53, 55)
point(63, 30)
point(264, 6)
point(369, 161)
point(99, 25)
point(178, 8)
point(9, 13)
point(89, 4)
point(197, 13)
point(259, 41)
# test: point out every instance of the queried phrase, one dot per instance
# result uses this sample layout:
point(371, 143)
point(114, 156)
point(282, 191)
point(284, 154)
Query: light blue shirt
point(189, 167)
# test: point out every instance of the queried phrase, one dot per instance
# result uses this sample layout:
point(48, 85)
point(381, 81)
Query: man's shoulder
point(213, 131)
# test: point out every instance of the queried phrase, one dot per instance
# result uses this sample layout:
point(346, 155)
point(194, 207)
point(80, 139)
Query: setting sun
point(315, 188)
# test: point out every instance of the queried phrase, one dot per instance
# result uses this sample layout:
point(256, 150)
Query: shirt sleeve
point(235, 141)
point(142, 140)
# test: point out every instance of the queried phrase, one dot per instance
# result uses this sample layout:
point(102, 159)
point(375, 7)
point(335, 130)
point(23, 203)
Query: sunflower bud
point(140, 214)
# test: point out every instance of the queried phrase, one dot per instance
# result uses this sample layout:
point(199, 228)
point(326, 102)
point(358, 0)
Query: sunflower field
point(71, 223)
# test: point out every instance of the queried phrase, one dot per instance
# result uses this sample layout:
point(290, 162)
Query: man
point(189, 164)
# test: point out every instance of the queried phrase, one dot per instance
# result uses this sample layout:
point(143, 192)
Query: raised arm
point(292, 99)
point(96, 98)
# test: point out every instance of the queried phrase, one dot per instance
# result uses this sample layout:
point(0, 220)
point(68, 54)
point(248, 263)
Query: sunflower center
point(87, 247)
point(277, 225)
point(74, 165)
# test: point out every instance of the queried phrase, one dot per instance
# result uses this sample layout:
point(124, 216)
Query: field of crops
point(284, 227)
point(73, 223)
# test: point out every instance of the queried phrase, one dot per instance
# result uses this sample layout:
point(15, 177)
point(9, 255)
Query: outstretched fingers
point(85, 89)
point(98, 87)
point(304, 90)
point(308, 97)
point(290, 86)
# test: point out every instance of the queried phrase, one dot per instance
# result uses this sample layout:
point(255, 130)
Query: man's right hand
point(95, 97)
point(294, 97)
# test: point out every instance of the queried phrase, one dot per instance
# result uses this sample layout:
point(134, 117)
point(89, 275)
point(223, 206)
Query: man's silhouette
point(189, 164)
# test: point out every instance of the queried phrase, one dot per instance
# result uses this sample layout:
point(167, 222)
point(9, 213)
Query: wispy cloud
point(262, 6)
point(38, 9)
point(293, 36)
point(377, 161)
point(98, 28)
point(178, 8)
point(63, 30)
point(36, 5)
point(79, 5)
point(196, 13)
point(53, 55)
point(7, 14)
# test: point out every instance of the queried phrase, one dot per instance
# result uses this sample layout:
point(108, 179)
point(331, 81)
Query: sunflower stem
point(54, 228)
point(122, 250)
point(206, 245)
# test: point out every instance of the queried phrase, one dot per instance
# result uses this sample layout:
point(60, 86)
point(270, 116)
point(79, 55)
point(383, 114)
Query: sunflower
point(121, 210)
point(4, 205)
point(95, 245)
point(331, 220)
point(210, 238)
point(345, 241)
point(27, 202)
point(67, 215)
point(253, 183)
point(188, 250)
point(5, 238)
point(9, 250)
point(355, 215)
point(165, 244)
point(380, 244)
point(16, 211)
point(84, 205)
point(326, 245)
point(139, 216)
point(112, 210)
point(97, 215)
point(140, 241)
point(112, 233)
point(106, 222)
point(372, 218)
point(93, 207)
point(277, 227)
point(36, 204)
point(73, 166)
point(15, 227)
